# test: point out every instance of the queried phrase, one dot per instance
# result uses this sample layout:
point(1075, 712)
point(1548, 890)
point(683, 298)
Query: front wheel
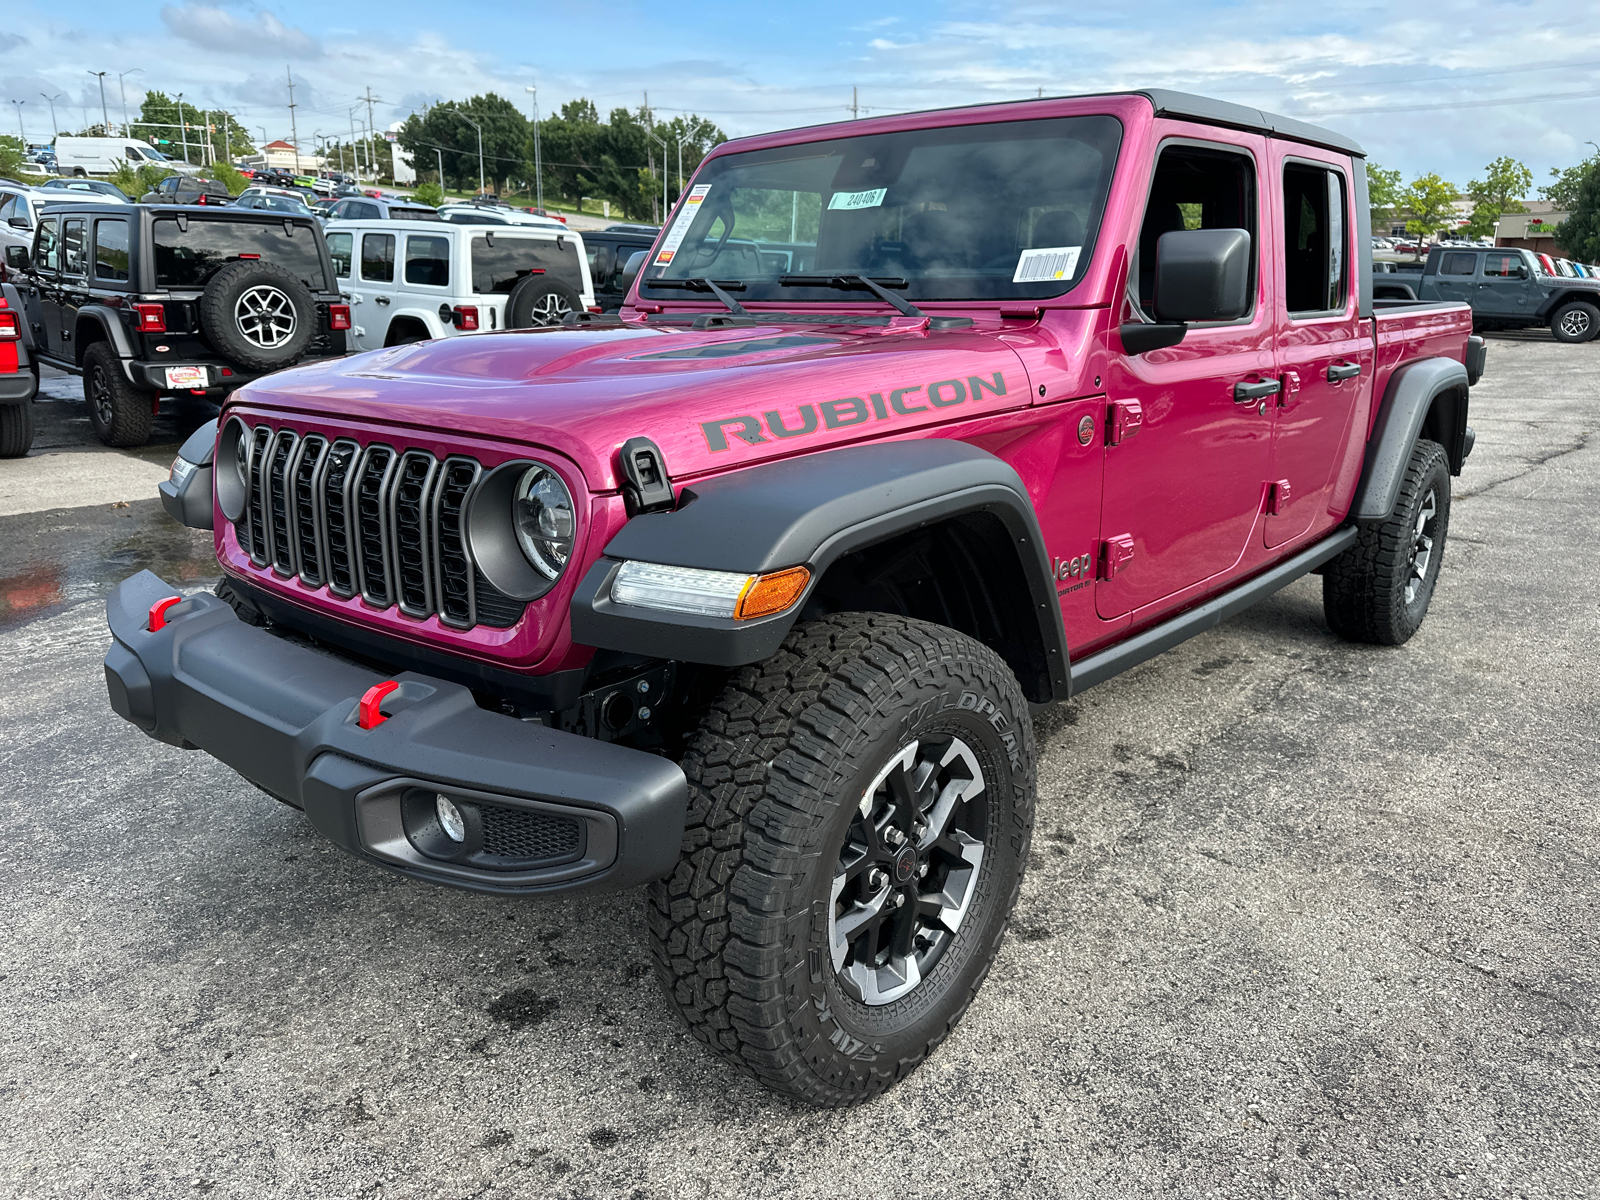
point(1576, 322)
point(119, 413)
point(860, 811)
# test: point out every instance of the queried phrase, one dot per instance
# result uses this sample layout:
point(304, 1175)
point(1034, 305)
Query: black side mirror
point(18, 222)
point(1522, 271)
point(634, 265)
point(17, 257)
point(1203, 275)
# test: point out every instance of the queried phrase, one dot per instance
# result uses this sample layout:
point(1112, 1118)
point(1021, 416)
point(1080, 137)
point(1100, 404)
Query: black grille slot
point(371, 498)
point(494, 607)
point(303, 494)
point(335, 490)
point(282, 549)
point(255, 510)
point(413, 543)
point(455, 569)
point(528, 837)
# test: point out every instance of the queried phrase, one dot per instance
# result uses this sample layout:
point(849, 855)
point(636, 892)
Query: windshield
point(994, 211)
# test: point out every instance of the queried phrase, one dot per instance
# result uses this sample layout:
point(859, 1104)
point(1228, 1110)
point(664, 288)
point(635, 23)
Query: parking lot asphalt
point(1302, 919)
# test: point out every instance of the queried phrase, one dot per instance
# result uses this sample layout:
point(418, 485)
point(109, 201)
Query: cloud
point(217, 29)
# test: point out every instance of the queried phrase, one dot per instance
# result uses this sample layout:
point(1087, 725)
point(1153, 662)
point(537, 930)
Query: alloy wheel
point(1575, 323)
point(908, 870)
point(265, 316)
point(549, 309)
point(100, 396)
point(1422, 545)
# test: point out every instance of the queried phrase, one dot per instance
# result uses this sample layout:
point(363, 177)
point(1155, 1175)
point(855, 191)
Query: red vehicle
point(745, 592)
point(19, 378)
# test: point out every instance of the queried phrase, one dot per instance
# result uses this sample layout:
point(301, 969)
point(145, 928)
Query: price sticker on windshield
point(680, 227)
point(850, 201)
point(1046, 264)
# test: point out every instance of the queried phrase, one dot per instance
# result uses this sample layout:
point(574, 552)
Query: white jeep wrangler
point(408, 281)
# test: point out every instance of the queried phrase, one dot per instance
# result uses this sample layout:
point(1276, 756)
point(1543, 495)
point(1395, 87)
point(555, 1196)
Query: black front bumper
point(285, 716)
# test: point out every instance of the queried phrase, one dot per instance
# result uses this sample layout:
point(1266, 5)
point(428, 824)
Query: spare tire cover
point(258, 314)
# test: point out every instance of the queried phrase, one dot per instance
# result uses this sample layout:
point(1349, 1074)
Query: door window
point(1314, 258)
point(339, 248)
point(111, 249)
point(428, 261)
point(74, 233)
point(1197, 188)
point(1458, 264)
point(8, 206)
point(1501, 266)
point(377, 257)
point(47, 246)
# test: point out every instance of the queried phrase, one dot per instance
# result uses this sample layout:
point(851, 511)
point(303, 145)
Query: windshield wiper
point(719, 290)
point(857, 283)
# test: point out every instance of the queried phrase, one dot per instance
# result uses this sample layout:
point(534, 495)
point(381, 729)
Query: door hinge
point(1115, 553)
point(1291, 389)
point(1123, 421)
point(1278, 497)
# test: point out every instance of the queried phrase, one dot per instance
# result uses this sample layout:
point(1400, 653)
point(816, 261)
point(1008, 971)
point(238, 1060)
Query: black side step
point(1158, 639)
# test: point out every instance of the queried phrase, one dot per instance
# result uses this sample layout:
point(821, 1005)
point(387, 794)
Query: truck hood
point(712, 399)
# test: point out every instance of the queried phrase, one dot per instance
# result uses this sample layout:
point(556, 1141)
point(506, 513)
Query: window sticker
point(1046, 263)
point(680, 227)
point(849, 201)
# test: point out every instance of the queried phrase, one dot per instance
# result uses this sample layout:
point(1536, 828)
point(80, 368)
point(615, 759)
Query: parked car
point(285, 204)
point(83, 156)
point(367, 208)
point(188, 189)
point(19, 378)
point(410, 281)
point(484, 214)
point(96, 187)
point(21, 207)
point(609, 252)
point(150, 301)
point(1507, 290)
point(713, 596)
point(33, 170)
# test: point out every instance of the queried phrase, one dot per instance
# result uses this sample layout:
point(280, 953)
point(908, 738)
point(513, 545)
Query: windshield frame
point(926, 288)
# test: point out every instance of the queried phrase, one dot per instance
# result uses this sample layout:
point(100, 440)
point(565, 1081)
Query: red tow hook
point(158, 613)
point(370, 716)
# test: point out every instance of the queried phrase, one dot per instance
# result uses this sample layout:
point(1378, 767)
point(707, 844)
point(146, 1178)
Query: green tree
point(11, 154)
point(158, 121)
point(1383, 192)
point(446, 132)
point(1505, 181)
point(1579, 235)
point(429, 193)
point(1431, 202)
point(1562, 191)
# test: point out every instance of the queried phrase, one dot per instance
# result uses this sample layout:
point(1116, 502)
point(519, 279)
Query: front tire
point(1576, 322)
point(860, 811)
point(1379, 589)
point(119, 413)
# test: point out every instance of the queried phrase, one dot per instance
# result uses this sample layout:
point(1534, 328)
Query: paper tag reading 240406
point(871, 198)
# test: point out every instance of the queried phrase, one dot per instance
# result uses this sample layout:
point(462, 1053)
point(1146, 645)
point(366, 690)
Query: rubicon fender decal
point(805, 419)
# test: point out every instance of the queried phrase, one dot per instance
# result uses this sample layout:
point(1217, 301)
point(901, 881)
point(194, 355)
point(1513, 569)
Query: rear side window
point(377, 257)
point(428, 261)
point(111, 249)
point(499, 260)
point(189, 257)
point(1458, 264)
point(1501, 265)
point(74, 235)
point(339, 246)
point(1315, 262)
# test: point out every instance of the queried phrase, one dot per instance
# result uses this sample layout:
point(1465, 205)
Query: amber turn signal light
point(772, 593)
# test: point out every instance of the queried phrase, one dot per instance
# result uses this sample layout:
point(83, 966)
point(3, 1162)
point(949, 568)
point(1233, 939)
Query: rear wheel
point(119, 413)
point(1576, 322)
point(860, 810)
point(1378, 591)
point(16, 429)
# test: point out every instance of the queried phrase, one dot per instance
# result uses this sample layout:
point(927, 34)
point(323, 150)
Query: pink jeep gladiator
point(745, 593)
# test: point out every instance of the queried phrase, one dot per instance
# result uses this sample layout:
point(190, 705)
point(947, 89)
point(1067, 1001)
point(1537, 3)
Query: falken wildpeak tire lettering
point(219, 319)
point(739, 929)
point(1364, 590)
point(119, 413)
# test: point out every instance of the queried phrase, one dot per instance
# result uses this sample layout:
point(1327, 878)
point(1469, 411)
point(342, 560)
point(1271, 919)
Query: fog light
point(450, 819)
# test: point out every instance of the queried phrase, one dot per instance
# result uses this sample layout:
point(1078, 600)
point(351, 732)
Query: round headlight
point(541, 513)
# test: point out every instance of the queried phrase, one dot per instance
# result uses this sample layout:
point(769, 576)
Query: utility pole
point(105, 117)
point(538, 163)
point(439, 154)
point(183, 130)
point(20, 129)
point(371, 127)
point(479, 128)
point(123, 90)
point(206, 148)
point(855, 103)
point(355, 151)
point(51, 101)
point(650, 132)
point(294, 129)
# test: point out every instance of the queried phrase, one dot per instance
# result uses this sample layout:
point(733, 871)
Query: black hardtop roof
point(1189, 107)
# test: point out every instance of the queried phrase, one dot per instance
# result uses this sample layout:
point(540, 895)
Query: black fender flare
point(1407, 406)
point(810, 511)
point(1566, 296)
point(189, 502)
point(111, 324)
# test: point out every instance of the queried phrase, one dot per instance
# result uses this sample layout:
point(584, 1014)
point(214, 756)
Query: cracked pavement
point(1302, 919)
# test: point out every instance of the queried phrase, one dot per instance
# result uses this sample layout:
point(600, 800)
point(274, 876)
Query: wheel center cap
point(905, 865)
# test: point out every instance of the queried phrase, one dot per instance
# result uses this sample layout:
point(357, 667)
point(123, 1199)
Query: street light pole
point(51, 101)
point(105, 117)
point(20, 129)
point(479, 128)
point(538, 156)
point(183, 130)
point(439, 154)
point(122, 88)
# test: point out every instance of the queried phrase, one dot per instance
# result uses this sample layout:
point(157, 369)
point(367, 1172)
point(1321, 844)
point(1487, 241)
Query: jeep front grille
point(370, 521)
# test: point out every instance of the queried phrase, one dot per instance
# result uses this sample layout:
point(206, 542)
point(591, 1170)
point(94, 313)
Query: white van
point(408, 281)
point(103, 155)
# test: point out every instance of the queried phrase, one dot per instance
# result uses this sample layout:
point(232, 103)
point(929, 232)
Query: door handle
point(380, 300)
point(1249, 393)
point(1338, 371)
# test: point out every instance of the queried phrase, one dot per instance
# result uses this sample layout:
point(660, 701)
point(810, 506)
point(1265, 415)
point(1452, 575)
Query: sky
point(1443, 87)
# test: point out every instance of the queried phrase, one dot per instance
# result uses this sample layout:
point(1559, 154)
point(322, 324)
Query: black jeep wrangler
point(148, 301)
